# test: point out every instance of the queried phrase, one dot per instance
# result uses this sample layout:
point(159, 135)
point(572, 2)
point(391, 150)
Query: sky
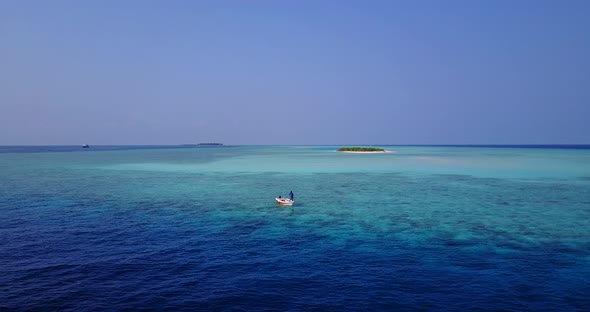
point(321, 72)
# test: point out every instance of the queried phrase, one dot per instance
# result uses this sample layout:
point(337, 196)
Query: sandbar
point(366, 152)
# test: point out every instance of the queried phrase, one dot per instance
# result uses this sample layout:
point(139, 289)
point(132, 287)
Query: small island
point(361, 150)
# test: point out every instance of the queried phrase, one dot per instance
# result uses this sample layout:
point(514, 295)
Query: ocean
point(196, 228)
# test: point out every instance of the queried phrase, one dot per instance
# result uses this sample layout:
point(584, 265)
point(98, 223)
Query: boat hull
point(284, 202)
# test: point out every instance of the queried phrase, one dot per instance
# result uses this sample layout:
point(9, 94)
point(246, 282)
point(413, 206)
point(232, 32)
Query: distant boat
point(85, 146)
point(284, 201)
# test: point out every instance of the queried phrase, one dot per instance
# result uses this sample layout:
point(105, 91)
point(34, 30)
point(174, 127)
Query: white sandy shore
point(359, 152)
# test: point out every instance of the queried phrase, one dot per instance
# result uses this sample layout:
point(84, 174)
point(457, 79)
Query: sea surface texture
point(197, 228)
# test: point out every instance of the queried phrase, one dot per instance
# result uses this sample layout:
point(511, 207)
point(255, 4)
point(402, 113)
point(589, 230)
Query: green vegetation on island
point(360, 149)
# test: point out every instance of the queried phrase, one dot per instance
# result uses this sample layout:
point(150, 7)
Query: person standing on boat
point(291, 195)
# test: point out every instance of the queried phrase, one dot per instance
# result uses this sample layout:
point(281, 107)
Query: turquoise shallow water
point(421, 227)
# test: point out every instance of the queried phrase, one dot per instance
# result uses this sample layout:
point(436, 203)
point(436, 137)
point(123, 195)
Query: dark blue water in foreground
point(436, 228)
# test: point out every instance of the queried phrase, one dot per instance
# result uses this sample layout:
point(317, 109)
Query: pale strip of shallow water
point(487, 162)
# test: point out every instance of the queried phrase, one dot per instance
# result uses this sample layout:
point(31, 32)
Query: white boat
point(284, 201)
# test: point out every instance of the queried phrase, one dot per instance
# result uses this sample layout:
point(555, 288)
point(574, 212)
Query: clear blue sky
point(294, 72)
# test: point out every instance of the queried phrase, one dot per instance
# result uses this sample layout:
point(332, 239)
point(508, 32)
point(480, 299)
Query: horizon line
point(346, 144)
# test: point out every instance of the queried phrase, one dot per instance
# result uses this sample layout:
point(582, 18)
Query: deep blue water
point(94, 148)
point(542, 146)
point(429, 228)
